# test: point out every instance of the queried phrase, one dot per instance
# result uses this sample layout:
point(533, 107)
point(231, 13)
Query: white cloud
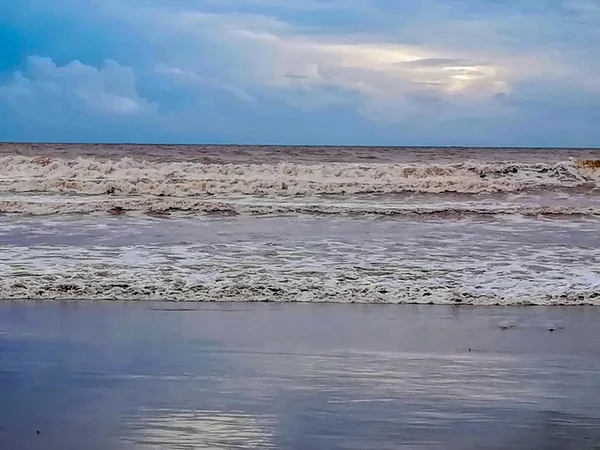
point(379, 71)
point(109, 90)
point(176, 73)
point(189, 77)
point(457, 60)
point(266, 52)
point(258, 53)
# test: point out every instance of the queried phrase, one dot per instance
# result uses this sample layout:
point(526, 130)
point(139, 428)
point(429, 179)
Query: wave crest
point(116, 285)
point(89, 176)
point(190, 206)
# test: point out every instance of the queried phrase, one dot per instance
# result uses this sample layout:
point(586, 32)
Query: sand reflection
point(208, 429)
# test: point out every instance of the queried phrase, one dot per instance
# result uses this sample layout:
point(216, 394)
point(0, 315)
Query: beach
point(299, 225)
point(113, 375)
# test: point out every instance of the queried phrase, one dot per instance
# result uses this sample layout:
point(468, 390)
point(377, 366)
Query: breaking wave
point(191, 206)
point(127, 176)
point(139, 286)
point(509, 261)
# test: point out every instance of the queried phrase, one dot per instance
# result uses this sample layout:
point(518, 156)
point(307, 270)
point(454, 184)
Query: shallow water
point(332, 224)
point(508, 260)
point(99, 375)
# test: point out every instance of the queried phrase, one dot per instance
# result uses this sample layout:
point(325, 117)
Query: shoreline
point(522, 305)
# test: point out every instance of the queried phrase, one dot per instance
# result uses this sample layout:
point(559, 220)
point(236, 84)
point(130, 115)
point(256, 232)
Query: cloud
point(176, 73)
point(460, 72)
point(75, 101)
point(374, 70)
point(187, 77)
point(260, 50)
point(109, 90)
point(269, 55)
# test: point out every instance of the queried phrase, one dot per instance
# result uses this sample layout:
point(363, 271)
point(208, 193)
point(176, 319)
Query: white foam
point(446, 263)
point(335, 260)
point(181, 179)
point(48, 206)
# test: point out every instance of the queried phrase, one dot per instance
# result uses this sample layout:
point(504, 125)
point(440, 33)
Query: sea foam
point(127, 176)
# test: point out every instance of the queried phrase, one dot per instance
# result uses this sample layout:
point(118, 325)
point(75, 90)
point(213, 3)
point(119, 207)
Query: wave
point(135, 286)
point(127, 176)
point(187, 207)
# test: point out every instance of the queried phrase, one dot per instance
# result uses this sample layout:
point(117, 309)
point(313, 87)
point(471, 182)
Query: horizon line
point(181, 144)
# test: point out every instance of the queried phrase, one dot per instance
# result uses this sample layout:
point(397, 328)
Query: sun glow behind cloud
point(285, 56)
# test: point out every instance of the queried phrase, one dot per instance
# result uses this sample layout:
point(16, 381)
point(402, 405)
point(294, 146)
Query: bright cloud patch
point(270, 53)
point(375, 70)
point(108, 90)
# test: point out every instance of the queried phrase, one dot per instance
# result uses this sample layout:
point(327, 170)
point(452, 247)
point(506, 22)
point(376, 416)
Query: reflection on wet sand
point(139, 376)
point(212, 430)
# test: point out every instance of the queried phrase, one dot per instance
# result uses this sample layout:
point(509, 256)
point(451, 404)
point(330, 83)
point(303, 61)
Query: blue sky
point(356, 72)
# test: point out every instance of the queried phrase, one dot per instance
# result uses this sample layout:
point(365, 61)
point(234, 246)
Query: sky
point(325, 72)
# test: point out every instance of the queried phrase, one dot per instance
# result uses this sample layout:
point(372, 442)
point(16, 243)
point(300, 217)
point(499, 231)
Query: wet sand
point(101, 375)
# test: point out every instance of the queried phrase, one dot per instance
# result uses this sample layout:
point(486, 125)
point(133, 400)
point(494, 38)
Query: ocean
point(452, 226)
